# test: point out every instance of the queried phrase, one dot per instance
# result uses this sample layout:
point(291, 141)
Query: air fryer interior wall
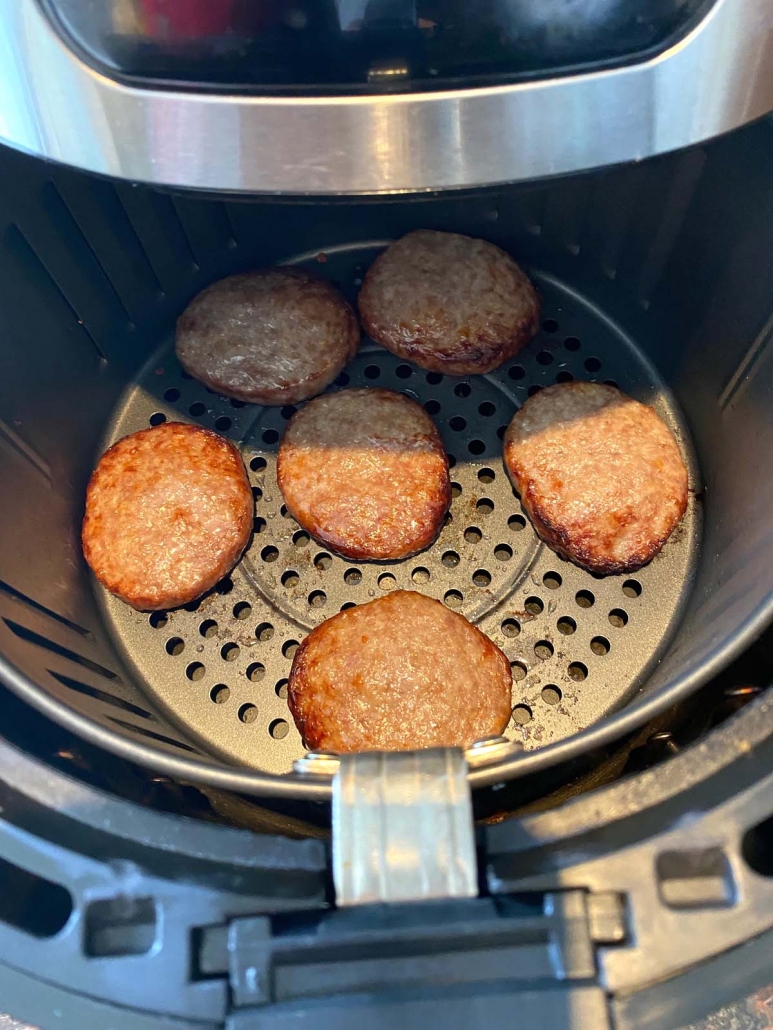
point(674, 252)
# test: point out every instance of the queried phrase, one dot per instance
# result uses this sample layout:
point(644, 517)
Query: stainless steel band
point(53, 105)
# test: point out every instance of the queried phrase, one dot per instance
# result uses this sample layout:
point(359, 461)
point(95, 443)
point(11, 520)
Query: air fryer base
point(579, 644)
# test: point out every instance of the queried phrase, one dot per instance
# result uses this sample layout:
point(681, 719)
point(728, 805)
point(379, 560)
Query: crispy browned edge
point(144, 602)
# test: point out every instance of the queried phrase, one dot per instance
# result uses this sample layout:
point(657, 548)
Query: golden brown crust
point(275, 336)
point(168, 513)
point(365, 472)
point(398, 673)
point(600, 475)
point(450, 303)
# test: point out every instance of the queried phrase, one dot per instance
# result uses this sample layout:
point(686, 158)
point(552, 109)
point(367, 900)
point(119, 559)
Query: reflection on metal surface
point(402, 828)
point(717, 78)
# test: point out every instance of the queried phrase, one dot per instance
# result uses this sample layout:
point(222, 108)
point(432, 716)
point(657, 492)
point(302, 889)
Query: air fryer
point(653, 275)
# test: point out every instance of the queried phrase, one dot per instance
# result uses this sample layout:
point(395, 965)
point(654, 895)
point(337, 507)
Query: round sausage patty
point(398, 673)
point(168, 513)
point(600, 475)
point(365, 472)
point(449, 303)
point(276, 336)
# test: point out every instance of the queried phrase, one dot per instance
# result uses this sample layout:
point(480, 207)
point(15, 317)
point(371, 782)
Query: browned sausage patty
point(398, 673)
point(276, 336)
point(168, 512)
point(364, 471)
point(450, 303)
point(600, 475)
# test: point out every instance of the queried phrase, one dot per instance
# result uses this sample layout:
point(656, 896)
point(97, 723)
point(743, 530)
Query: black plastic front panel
point(363, 45)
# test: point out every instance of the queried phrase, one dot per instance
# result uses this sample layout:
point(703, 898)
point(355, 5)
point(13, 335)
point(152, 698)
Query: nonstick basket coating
point(580, 645)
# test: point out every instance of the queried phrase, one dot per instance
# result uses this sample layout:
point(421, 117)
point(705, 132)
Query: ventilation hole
point(521, 715)
point(242, 610)
point(434, 378)
point(545, 357)
point(223, 424)
point(450, 559)
point(219, 694)
point(37, 906)
point(372, 372)
point(592, 364)
point(618, 618)
point(237, 404)
point(486, 476)
point(516, 372)
point(225, 586)
point(481, 578)
point(257, 493)
point(157, 418)
point(511, 627)
point(197, 409)
point(476, 447)
point(248, 714)
point(518, 670)
point(577, 672)
point(501, 432)
point(175, 646)
point(451, 460)
point(317, 598)
point(192, 606)
point(456, 490)
point(599, 645)
point(473, 535)
point(420, 575)
point(342, 379)
point(347, 605)
point(301, 539)
point(287, 411)
point(502, 552)
point(550, 325)
point(585, 598)
point(453, 598)
point(352, 577)
point(552, 580)
point(195, 672)
point(462, 389)
point(632, 588)
point(229, 652)
point(322, 561)
point(757, 847)
point(572, 343)
point(171, 395)
point(550, 694)
point(403, 371)
point(543, 649)
point(269, 436)
point(612, 383)
point(208, 628)
point(289, 648)
point(457, 423)
point(257, 464)
point(566, 625)
point(564, 377)
point(487, 409)
point(387, 581)
point(100, 695)
point(259, 525)
point(290, 579)
point(534, 606)
point(516, 523)
point(534, 390)
point(158, 619)
point(281, 689)
point(264, 632)
point(256, 672)
point(269, 554)
point(431, 407)
point(279, 729)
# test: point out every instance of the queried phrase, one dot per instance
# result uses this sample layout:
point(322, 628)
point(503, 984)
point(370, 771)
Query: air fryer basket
point(655, 277)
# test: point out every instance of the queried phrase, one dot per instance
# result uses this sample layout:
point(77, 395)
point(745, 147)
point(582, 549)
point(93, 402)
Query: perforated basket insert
point(579, 644)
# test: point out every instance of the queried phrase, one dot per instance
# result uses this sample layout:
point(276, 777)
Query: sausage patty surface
point(449, 303)
point(600, 475)
point(398, 673)
point(168, 513)
point(365, 472)
point(276, 336)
